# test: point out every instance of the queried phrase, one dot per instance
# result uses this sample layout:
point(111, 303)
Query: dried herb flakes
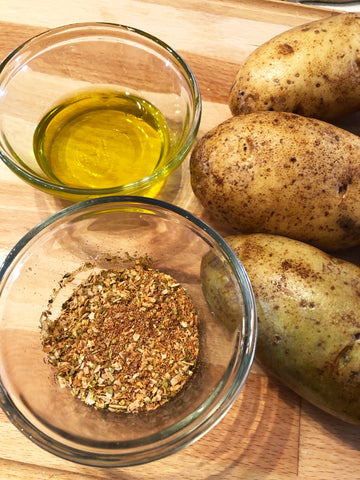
point(126, 340)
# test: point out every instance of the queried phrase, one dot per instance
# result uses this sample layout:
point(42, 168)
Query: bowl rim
point(230, 386)
point(143, 183)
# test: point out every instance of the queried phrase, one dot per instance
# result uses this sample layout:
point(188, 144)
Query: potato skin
point(280, 173)
point(312, 70)
point(308, 306)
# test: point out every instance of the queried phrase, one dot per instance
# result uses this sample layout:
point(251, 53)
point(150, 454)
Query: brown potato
point(281, 173)
point(312, 70)
point(308, 307)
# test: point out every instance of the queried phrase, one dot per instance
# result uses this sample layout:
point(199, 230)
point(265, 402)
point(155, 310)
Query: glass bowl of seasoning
point(95, 109)
point(127, 331)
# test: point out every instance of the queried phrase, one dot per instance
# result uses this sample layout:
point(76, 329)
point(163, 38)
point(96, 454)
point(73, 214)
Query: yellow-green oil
point(101, 139)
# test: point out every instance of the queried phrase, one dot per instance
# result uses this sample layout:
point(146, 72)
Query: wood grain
point(269, 433)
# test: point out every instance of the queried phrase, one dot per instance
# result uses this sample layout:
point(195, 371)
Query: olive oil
point(101, 139)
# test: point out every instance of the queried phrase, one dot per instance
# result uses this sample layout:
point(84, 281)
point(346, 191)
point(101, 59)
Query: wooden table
point(269, 433)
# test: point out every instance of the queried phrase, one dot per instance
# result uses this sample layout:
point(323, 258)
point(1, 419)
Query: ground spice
point(126, 340)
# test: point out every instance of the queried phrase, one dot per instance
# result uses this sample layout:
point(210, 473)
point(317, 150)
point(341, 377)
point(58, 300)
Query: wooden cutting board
point(269, 433)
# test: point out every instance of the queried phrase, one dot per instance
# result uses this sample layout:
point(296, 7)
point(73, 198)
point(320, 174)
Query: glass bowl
point(136, 77)
point(103, 232)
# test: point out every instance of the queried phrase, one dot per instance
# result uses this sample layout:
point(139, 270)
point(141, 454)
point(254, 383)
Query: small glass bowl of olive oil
point(100, 139)
point(96, 109)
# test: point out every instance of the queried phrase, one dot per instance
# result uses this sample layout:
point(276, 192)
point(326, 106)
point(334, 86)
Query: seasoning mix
point(126, 340)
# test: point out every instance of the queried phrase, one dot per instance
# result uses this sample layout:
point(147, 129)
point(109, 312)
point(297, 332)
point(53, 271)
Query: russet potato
point(312, 70)
point(308, 308)
point(281, 173)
